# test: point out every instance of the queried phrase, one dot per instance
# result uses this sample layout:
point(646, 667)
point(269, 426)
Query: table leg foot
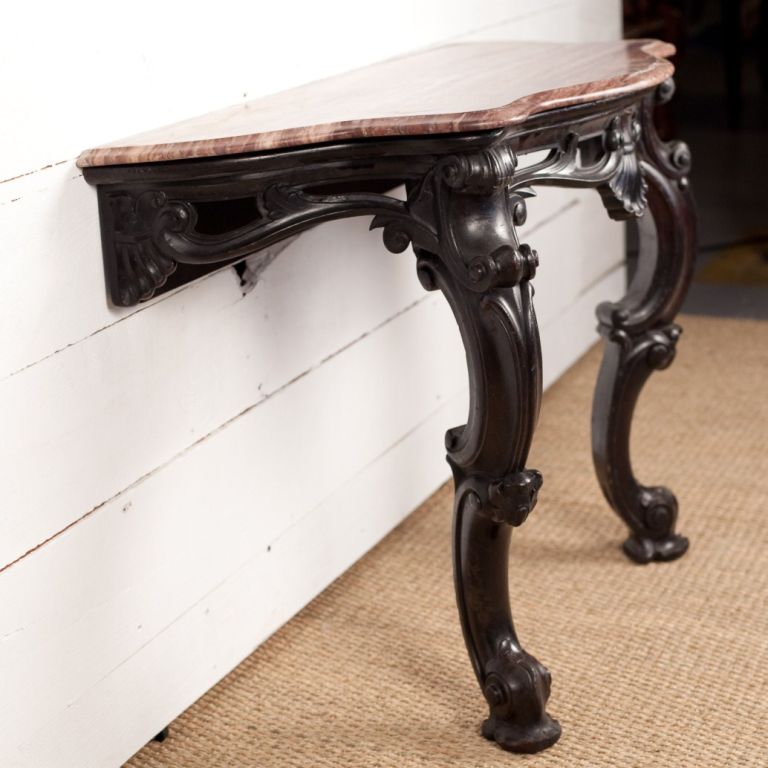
point(515, 738)
point(644, 550)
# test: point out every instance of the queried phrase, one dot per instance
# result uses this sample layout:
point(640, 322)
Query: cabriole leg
point(640, 338)
point(495, 491)
point(475, 259)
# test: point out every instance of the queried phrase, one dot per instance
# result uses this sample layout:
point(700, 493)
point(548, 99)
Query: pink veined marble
point(449, 89)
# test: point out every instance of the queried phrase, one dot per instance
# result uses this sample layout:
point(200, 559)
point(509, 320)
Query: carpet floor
point(662, 665)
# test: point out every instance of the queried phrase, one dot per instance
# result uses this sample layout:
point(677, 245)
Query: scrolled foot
point(517, 687)
point(654, 537)
point(644, 550)
point(525, 739)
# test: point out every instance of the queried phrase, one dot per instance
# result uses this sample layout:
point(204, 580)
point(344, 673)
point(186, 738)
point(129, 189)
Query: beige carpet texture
point(659, 665)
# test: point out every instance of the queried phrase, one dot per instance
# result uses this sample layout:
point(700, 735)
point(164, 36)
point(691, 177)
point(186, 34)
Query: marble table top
point(454, 88)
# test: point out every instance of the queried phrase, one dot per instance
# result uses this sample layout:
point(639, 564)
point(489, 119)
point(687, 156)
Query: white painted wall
point(178, 479)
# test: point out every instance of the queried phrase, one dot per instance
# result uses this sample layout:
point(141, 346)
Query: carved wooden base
point(465, 198)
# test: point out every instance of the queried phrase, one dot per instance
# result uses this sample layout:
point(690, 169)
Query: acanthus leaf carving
point(624, 196)
point(616, 173)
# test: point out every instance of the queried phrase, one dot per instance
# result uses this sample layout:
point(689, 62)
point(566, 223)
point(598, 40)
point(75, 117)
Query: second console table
point(453, 124)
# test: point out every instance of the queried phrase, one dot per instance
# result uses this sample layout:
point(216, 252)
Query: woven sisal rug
point(664, 665)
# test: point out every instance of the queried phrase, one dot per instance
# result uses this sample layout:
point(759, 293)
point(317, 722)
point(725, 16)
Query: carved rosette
point(659, 509)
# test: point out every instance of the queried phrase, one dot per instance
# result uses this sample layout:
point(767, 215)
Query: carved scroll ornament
point(153, 230)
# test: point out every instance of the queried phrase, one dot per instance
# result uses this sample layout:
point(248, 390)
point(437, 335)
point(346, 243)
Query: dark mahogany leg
point(640, 338)
point(495, 491)
point(516, 686)
point(476, 260)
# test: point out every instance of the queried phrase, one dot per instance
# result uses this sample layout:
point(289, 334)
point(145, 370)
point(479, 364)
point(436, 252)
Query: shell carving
point(624, 195)
point(141, 267)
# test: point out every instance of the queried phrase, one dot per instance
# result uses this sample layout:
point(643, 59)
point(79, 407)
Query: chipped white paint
point(154, 527)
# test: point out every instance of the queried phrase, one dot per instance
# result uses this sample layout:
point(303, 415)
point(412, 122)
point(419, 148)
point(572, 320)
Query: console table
point(453, 124)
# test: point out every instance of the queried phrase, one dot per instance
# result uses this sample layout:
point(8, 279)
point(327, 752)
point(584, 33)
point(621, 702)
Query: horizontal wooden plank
point(175, 536)
point(51, 270)
point(574, 20)
point(169, 670)
point(104, 412)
